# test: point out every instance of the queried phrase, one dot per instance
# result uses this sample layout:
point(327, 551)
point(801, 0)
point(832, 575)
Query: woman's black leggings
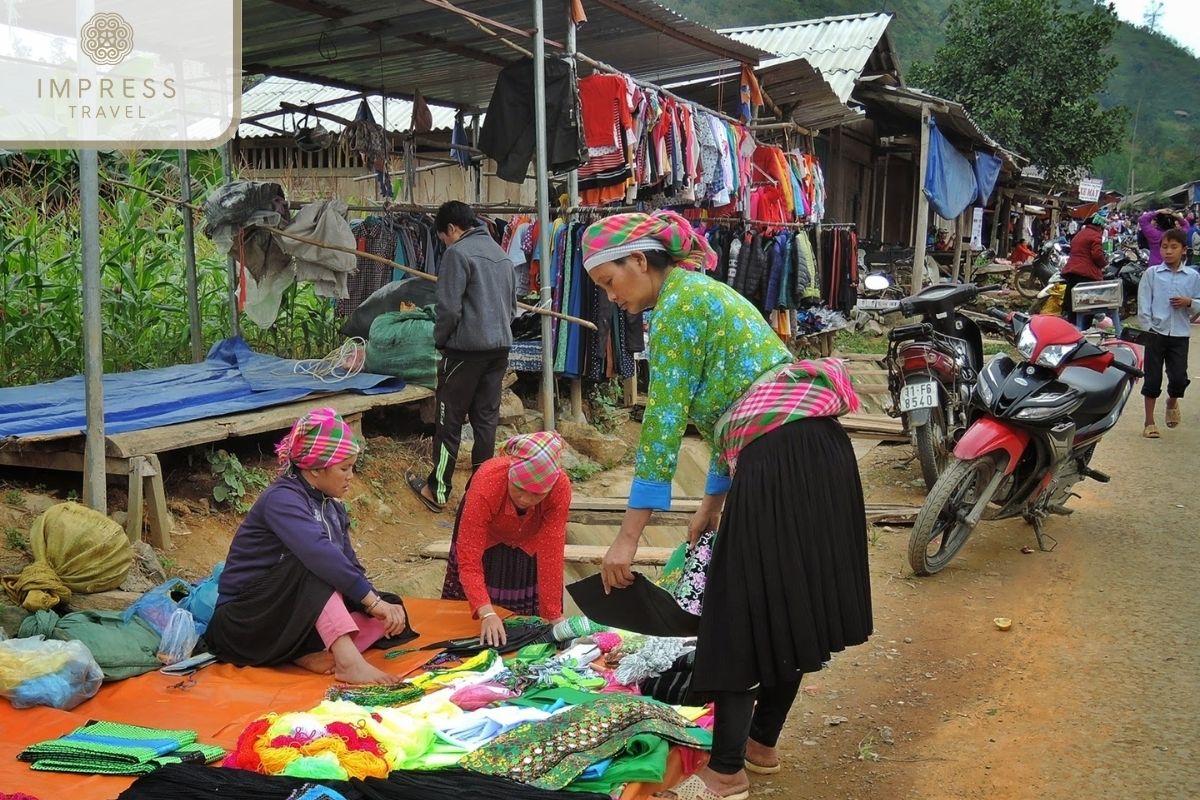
point(739, 717)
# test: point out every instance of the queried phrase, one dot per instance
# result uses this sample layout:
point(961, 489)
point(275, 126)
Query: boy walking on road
point(476, 302)
point(1168, 297)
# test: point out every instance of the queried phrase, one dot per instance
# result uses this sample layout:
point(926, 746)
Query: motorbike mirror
point(876, 282)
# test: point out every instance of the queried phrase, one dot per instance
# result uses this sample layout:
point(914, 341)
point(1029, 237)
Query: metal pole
point(573, 200)
point(235, 322)
point(543, 204)
point(94, 476)
point(477, 170)
point(189, 259)
point(918, 272)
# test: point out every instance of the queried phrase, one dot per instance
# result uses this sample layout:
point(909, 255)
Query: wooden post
point(922, 230)
point(958, 245)
point(629, 389)
point(577, 401)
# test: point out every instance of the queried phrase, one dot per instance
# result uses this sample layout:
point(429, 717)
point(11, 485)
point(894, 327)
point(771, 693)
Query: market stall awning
point(451, 53)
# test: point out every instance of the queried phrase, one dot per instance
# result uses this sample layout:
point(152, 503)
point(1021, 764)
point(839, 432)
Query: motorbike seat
point(1101, 390)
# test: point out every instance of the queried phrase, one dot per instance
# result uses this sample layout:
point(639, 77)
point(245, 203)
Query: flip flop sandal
point(692, 788)
point(1174, 416)
point(417, 483)
point(762, 769)
point(1151, 432)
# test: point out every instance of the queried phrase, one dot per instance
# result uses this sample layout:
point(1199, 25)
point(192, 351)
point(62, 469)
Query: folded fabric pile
point(109, 748)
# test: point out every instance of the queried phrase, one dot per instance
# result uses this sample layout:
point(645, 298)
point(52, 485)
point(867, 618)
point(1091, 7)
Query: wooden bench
point(573, 553)
point(135, 454)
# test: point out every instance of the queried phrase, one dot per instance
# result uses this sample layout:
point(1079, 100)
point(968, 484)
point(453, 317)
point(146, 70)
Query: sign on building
point(1089, 189)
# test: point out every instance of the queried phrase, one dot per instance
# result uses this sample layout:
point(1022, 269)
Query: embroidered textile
point(551, 754)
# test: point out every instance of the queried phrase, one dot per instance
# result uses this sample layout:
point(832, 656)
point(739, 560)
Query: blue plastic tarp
point(987, 172)
point(949, 179)
point(231, 379)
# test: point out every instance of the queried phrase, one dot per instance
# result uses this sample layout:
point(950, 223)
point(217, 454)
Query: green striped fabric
point(110, 748)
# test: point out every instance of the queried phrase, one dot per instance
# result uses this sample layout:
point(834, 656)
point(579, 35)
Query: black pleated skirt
point(788, 584)
point(272, 622)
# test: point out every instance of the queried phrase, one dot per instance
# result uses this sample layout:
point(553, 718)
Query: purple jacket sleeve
point(1146, 221)
point(323, 549)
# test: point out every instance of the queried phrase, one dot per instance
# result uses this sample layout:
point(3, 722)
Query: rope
point(345, 362)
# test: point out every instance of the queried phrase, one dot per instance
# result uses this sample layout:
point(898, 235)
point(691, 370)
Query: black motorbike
point(1031, 278)
point(932, 366)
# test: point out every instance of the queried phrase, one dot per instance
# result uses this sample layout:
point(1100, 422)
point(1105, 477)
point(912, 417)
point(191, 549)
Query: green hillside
point(1155, 79)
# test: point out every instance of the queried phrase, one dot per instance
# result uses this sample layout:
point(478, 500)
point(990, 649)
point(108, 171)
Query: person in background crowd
point(1085, 263)
point(476, 303)
point(1022, 253)
point(292, 589)
point(510, 533)
point(788, 583)
point(1168, 297)
point(1153, 224)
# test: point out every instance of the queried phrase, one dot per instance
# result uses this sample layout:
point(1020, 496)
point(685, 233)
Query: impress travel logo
point(119, 73)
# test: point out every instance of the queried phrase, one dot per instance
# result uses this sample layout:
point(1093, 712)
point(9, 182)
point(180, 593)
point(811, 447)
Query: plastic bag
point(202, 602)
point(156, 606)
point(35, 672)
point(179, 639)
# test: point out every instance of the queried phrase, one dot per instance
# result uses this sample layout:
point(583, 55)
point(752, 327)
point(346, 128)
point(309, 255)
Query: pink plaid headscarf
point(621, 234)
point(318, 439)
point(534, 460)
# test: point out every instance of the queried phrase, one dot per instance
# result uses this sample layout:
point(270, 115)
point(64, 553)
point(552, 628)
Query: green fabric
point(122, 649)
point(111, 748)
point(644, 760)
point(546, 696)
point(534, 653)
point(401, 343)
point(707, 345)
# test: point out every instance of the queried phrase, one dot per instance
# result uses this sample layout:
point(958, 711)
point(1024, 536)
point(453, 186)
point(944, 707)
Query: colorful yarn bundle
point(607, 641)
point(335, 750)
point(375, 695)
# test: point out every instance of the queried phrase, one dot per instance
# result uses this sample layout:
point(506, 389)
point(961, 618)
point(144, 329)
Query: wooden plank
point(614, 517)
point(679, 505)
point(135, 507)
point(862, 357)
point(160, 517)
point(573, 553)
point(64, 460)
point(214, 429)
point(594, 510)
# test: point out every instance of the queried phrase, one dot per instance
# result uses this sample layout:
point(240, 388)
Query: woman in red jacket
point(510, 534)
point(1085, 263)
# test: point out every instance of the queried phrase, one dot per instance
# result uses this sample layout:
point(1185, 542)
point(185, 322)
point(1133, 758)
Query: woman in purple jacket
point(292, 589)
point(1153, 225)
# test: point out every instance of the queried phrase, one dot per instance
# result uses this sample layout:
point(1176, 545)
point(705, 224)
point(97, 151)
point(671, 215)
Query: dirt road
point(1094, 693)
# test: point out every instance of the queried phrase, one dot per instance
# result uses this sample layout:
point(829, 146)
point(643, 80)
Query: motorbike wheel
point(941, 528)
point(931, 446)
point(1028, 283)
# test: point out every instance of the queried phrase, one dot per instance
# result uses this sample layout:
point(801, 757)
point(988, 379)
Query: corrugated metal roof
point(839, 47)
point(266, 97)
point(400, 46)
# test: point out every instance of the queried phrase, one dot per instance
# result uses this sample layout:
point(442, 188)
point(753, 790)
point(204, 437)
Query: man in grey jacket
point(476, 302)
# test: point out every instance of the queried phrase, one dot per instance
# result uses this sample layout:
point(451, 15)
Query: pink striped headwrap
point(621, 234)
point(534, 460)
point(318, 439)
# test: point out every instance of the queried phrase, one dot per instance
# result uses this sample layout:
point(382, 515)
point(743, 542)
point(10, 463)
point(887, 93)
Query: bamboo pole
point(328, 246)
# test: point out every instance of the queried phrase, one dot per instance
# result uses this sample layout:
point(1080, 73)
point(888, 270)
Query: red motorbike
point(1034, 429)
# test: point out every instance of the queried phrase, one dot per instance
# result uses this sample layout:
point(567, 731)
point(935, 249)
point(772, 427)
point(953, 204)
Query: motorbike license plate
point(877, 304)
point(918, 395)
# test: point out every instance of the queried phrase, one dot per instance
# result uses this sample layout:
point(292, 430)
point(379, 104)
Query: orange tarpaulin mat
point(217, 702)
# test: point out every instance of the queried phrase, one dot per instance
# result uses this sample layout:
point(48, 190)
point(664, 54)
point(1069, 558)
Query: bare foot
point(761, 755)
point(320, 662)
point(362, 673)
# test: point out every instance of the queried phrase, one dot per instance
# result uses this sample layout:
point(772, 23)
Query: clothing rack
point(495, 208)
point(766, 222)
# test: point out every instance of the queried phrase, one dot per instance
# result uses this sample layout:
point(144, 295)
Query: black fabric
point(518, 636)
point(641, 608)
point(758, 714)
point(466, 389)
point(198, 782)
point(673, 686)
point(403, 637)
point(788, 583)
point(508, 130)
point(1171, 352)
point(272, 622)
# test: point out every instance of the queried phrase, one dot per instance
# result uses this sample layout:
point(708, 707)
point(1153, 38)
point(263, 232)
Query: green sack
point(122, 649)
point(401, 344)
point(88, 551)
